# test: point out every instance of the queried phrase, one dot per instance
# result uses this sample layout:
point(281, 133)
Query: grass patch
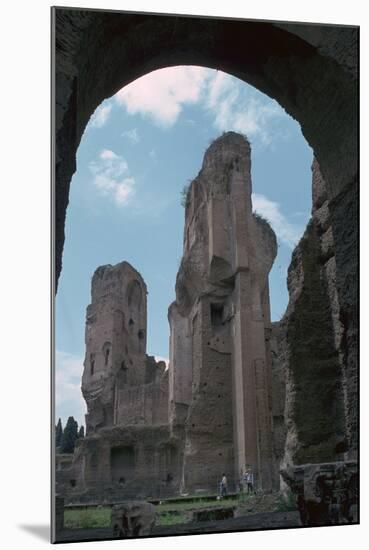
point(87, 518)
point(172, 513)
point(170, 518)
point(197, 504)
point(287, 503)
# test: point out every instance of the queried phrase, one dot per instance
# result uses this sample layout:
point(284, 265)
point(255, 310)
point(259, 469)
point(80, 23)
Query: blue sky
point(138, 151)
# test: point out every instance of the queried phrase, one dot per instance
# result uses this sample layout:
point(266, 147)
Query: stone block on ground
point(132, 519)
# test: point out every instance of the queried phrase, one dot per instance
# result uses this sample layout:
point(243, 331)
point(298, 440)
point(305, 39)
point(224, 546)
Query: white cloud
point(111, 177)
point(124, 190)
point(232, 105)
point(68, 395)
point(107, 154)
point(237, 107)
point(286, 232)
point(132, 135)
point(220, 83)
point(101, 115)
point(161, 94)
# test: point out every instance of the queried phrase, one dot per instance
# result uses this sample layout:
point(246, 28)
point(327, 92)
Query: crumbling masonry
point(312, 72)
point(219, 376)
point(152, 431)
point(240, 392)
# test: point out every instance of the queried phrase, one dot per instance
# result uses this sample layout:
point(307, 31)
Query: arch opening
point(277, 64)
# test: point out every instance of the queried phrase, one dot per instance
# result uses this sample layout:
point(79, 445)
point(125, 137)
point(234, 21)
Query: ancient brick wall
point(146, 404)
point(123, 462)
point(311, 345)
point(221, 313)
point(310, 70)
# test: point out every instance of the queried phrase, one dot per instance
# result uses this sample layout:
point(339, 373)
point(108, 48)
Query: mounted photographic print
point(205, 182)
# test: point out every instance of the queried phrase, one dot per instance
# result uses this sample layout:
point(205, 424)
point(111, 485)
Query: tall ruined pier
point(219, 378)
point(155, 432)
point(116, 366)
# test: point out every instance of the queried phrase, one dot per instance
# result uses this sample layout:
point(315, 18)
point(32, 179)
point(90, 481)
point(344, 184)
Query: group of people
point(246, 483)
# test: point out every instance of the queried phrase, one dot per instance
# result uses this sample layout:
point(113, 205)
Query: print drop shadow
point(40, 531)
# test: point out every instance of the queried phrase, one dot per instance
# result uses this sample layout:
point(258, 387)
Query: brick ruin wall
point(150, 431)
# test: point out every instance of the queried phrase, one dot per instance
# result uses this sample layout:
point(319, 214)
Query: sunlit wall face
point(140, 148)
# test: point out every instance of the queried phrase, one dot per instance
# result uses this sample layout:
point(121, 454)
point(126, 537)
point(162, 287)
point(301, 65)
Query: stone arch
point(122, 463)
point(301, 66)
point(310, 70)
point(168, 462)
point(106, 351)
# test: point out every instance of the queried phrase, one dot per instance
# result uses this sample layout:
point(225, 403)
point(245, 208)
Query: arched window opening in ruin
point(106, 352)
point(122, 463)
point(92, 364)
point(216, 312)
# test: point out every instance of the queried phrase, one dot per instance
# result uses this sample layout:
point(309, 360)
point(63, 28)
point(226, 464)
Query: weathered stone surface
point(344, 215)
point(321, 404)
point(128, 450)
point(327, 494)
point(278, 350)
point(59, 513)
point(240, 391)
point(120, 383)
point(132, 519)
point(311, 334)
point(218, 346)
point(219, 388)
point(311, 70)
point(125, 462)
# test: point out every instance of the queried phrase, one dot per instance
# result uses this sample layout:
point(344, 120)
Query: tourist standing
point(223, 486)
point(249, 479)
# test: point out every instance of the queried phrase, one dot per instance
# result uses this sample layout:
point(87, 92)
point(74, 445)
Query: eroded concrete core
point(316, 444)
point(219, 376)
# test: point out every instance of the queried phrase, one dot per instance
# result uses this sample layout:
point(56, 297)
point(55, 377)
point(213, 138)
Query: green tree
point(81, 433)
point(185, 195)
point(58, 433)
point(70, 436)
